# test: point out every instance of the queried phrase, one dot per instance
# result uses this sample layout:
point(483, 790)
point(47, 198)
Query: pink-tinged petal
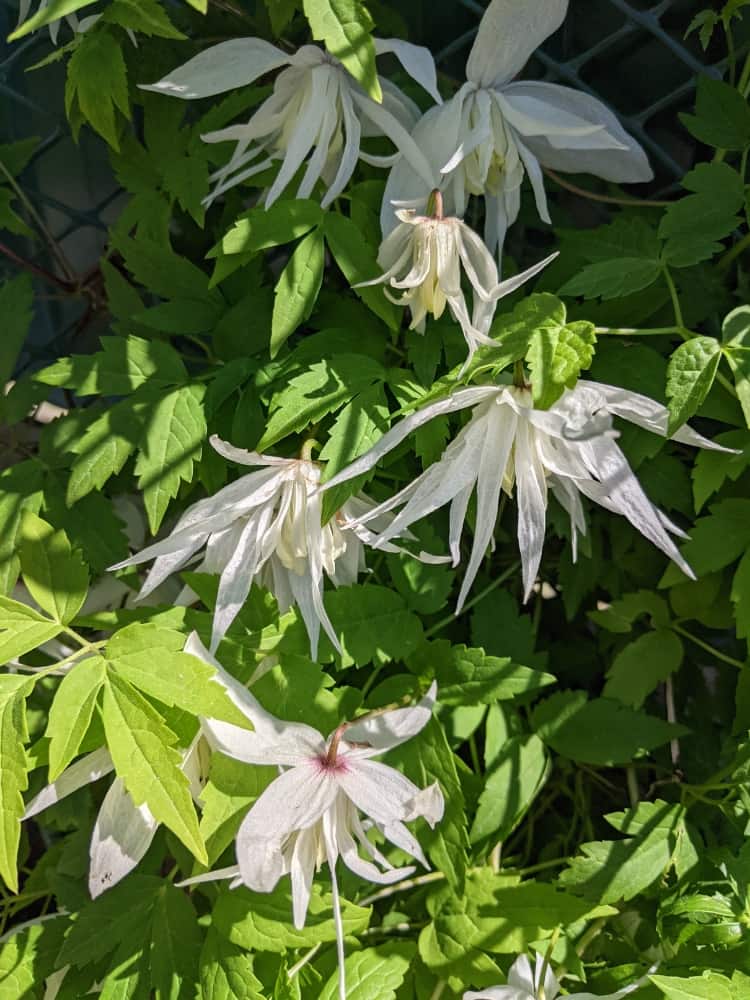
point(383, 732)
point(89, 768)
point(381, 792)
point(622, 165)
point(222, 67)
point(416, 60)
point(122, 834)
point(510, 30)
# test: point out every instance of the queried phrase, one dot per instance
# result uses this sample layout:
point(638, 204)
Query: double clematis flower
point(123, 831)
point(423, 257)
point(266, 528)
point(317, 113)
point(508, 444)
point(539, 983)
point(494, 131)
point(310, 814)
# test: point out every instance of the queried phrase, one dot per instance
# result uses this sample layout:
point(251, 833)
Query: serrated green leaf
point(708, 987)
point(510, 788)
point(123, 365)
point(613, 279)
point(56, 576)
point(13, 773)
point(716, 540)
point(690, 375)
point(103, 449)
point(172, 441)
point(20, 491)
point(373, 624)
point(262, 228)
point(142, 749)
point(175, 943)
point(358, 261)
point(693, 226)
point(572, 725)
point(71, 711)
point(622, 613)
point(28, 955)
point(722, 115)
point(226, 971)
point(97, 83)
point(373, 973)
point(22, 629)
point(344, 27)
point(736, 337)
point(92, 525)
point(557, 351)
point(642, 665)
point(263, 921)
point(231, 789)
point(144, 16)
point(297, 289)
point(16, 299)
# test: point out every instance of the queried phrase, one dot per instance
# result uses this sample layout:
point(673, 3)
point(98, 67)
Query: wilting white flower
point(310, 814)
point(123, 831)
point(265, 528)
point(424, 256)
point(525, 983)
point(493, 131)
point(317, 113)
point(569, 449)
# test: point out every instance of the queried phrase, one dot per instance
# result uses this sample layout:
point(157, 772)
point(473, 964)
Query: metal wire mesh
point(633, 55)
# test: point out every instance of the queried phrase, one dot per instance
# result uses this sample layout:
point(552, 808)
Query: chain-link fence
point(632, 55)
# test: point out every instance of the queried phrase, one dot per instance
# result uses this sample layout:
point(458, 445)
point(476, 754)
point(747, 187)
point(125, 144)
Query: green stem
point(708, 648)
point(39, 222)
point(474, 601)
point(679, 320)
point(733, 252)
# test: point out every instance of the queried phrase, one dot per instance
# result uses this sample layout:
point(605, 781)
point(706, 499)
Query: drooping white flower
point(310, 814)
point(494, 132)
point(423, 257)
point(569, 449)
point(539, 983)
point(265, 528)
point(317, 113)
point(123, 831)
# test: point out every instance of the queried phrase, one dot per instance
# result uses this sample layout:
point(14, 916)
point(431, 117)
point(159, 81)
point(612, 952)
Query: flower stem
point(545, 965)
point(606, 199)
point(497, 582)
point(435, 205)
point(339, 924)
point(708, 648)
point(675, 298)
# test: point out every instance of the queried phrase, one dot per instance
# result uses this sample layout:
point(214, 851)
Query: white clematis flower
point(265, 528)
point(310, 814)
point(423, 257)
point(539, 983)
point(123, 831)
point(569, 449)
point(316, 114)
point(493, 132)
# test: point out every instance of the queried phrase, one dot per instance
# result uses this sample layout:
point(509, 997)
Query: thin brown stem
point(605, 199)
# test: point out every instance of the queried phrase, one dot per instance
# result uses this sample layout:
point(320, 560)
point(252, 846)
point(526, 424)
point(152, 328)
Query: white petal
point(628, 165)
point(536, 177)
point(499, 993)
point(122, 834)
point(686, 435)
point(352, 134)
point(391, 127)
point(511, 284)
point(531, 115)
point(416, 60)
point(305, 130)
point(459, 400)
point(302, 870)
point(531, 495)
point(231, 64)
point(509, 32)
point(219, 875)
point(383, 732)
point(381, 792)
point(89, 768)
point(244, 457)
point(521, 975)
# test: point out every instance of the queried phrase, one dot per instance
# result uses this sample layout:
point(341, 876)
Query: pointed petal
point(383, 732)
point(89, 768)
point(498, 993)
point(222, 67)
point(416, 60)
point(122, 834)
point(509, 32)
point(531, 493)
point(391, 127)
point(511, 284)
point(302, 871)
point(218, 875)
point(381, 792)
point(244, 457)
point(521, 975)
point(352, 136)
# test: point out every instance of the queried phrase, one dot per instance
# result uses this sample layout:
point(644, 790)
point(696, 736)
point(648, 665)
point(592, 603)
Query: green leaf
point(13, 773)
point(71, 711)
point(611, 871)
point(573, 726)
point(557, 350)
point(231, 789)
point(344, 27)
point(123, 365)
point(297, 289)
point(736, 337)
point(510, 787)
point(97, 83)
point(324, 388)
point(373, 624)
point(427, 759)
point(263, 921)
point(92, 525)
point(693, 226)
point(707, 987)
point(16, 299)
point(57, 577)
point(157, 267)
point(613, 279)
point(151, 658)
point(262, 228)
point(145, 16)
point(722, 115)
point(358, 261)
point(171, 444)
point(175, 943)
point(54, 10)
point(142, 749)
point(715, 540)
point(690, 375)
point(226, 971)
point(27, 957)
point(622, 613)
point(372, 974)
point(642, 665)
point(20, 491)
point(103, 449)
point(22, 629)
